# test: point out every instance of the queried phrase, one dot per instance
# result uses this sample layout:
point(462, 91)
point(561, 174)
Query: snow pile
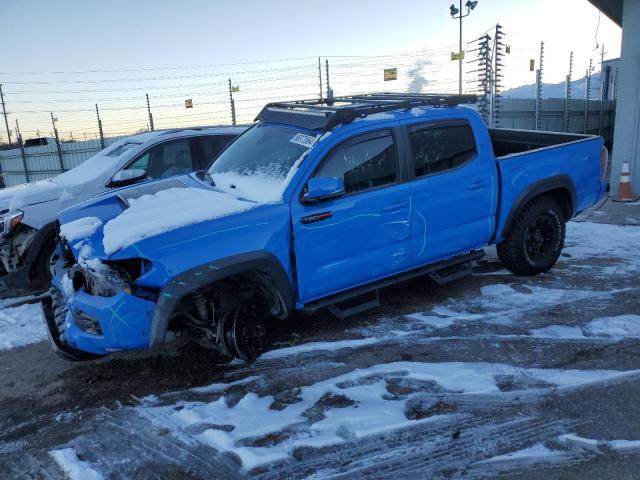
point(501, 303)
point(73, 467)
point(620, 326)
point(588, 240)
point(81, 228)
point(318, 346)
point(166, 210)
point(535, 454)
point(349, 406)
point(620, 446)
point(21, 325)
point(257, 188)
point(615, 328)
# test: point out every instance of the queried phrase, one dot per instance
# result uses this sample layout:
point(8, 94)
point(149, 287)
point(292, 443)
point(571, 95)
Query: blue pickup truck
point(318, 205)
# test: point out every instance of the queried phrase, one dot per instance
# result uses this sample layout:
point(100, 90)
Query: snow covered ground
point(21, 325)
point(493, 375)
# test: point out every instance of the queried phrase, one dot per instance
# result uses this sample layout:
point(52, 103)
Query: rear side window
point(363, 165)
point(438, 148)
point(212, 145)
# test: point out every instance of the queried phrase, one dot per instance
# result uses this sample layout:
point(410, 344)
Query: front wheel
point(534, 243)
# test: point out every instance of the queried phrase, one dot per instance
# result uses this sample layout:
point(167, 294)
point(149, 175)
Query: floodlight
point(454, 10)
point(471, 5)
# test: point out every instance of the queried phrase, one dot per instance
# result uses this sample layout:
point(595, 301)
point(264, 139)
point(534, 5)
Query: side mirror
point(127, 177)
point(323, 188)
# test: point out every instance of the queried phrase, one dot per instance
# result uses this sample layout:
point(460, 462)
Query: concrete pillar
point(626, 142)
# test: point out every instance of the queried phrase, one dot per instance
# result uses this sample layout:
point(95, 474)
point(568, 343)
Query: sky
point(67, 55)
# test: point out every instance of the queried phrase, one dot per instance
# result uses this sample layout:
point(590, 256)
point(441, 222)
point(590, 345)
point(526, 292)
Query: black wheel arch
point(206, 274)
point(560, 187)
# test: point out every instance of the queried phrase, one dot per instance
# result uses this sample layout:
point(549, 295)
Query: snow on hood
point(153, 214)
point(29, 193)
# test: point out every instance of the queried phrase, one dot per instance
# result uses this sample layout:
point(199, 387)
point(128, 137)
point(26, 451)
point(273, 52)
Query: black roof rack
point(327, 113)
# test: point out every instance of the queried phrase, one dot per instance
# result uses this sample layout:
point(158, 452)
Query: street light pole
point(460, 52)
point(471, 4)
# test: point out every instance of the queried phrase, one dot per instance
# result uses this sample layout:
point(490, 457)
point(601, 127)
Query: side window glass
point(437, 149)
point(213, 145)
point(364, 165)
point(165, 160)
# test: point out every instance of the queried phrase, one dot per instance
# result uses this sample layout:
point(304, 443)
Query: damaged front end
point(95, 307)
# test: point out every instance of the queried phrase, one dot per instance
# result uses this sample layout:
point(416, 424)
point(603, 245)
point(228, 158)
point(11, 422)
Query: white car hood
point(35, 193)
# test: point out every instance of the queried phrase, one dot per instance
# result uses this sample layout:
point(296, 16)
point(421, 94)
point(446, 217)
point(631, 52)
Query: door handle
point(394, 207)
point(479, 185)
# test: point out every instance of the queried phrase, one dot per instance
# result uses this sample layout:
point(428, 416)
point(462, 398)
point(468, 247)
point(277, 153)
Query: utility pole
point(320, 76)
point(232, 103)
point(150, 115)
point(458, 11)
point(4, 112)
point(567, 97)
point(22, 152)
point(58, 148)
point(329, 90)
point(539, 89)
point(100, 127)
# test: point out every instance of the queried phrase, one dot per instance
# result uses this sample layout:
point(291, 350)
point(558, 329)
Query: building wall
point(627, 131)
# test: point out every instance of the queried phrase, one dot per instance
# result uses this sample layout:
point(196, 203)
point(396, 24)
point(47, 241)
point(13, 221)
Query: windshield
point(264, 150)
point(102, 162)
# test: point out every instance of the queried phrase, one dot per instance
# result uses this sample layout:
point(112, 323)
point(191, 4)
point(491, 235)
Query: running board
point(441, 272)
point(451, 274)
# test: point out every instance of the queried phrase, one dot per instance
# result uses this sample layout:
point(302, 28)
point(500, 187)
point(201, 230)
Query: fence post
point(232, 103)
point(587, 96)
point(567, 97)
point(497, 76)
point(4, 113)
point(329, 91)
point(58, 148)
point(539, 89)
point(150, 115)
point(484, 77)
point(100, 127)
point(22, 152)
point(601, 91)
point(320, 76)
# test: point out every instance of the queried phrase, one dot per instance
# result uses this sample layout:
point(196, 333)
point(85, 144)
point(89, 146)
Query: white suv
point(28, 212)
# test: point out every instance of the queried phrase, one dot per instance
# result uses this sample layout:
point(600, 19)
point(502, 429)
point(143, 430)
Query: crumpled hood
point(29, 194)
point(110, 223)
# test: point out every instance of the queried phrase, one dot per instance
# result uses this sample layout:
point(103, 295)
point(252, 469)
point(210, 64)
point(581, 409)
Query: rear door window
point(165, 160)
point(437, 148)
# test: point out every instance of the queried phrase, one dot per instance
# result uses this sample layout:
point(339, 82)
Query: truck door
point(361, 236)
point(453, 193)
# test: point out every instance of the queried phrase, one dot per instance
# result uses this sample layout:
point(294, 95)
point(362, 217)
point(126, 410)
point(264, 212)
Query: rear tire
point(536, 239)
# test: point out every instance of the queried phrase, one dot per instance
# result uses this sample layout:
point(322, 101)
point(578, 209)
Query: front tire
point(536, 240)
point(43, 272)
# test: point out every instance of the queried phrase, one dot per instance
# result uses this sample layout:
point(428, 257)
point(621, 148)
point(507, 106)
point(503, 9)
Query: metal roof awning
point(611, 8)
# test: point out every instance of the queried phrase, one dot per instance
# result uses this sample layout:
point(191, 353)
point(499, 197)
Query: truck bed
point(508, 142)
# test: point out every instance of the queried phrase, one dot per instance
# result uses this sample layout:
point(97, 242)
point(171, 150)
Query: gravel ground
point(494, 376)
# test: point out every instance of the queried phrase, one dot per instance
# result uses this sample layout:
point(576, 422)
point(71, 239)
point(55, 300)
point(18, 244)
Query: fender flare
point(191, 280)
point(538, 188)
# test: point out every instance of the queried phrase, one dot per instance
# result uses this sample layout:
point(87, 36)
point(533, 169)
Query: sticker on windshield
point(304, 140)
